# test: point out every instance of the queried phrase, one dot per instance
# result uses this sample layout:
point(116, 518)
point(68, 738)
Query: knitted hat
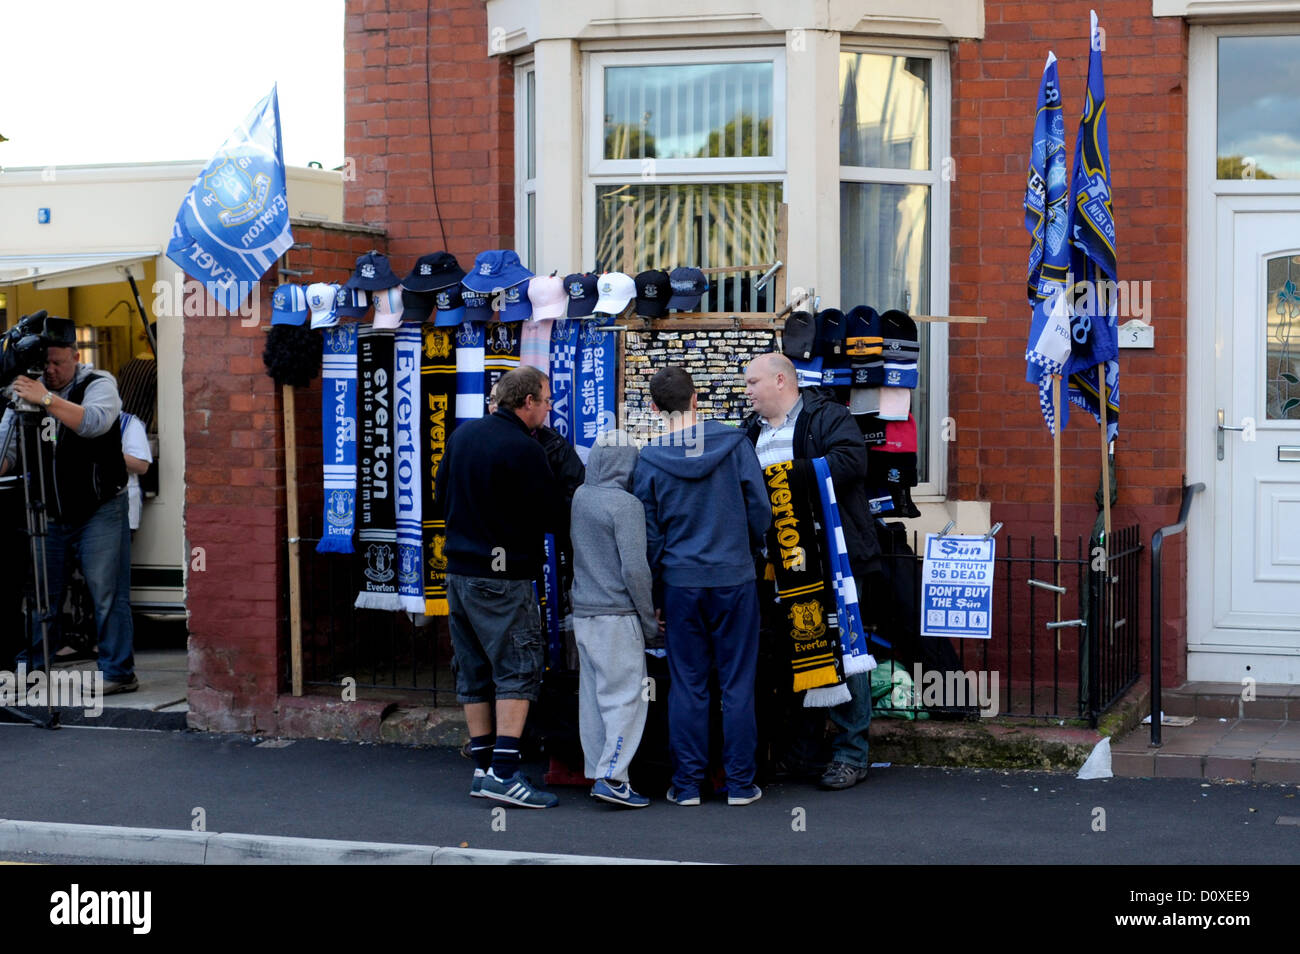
point(864, 346)
point(894, 463)
point(799, 336)
point(895, 404)
point(900, 349)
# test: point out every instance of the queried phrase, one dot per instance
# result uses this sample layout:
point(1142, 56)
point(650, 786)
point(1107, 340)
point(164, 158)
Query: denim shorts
point(496, 636)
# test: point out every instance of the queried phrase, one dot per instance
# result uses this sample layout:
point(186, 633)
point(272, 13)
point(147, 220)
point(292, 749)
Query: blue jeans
point(718, 627)
point(102, 548)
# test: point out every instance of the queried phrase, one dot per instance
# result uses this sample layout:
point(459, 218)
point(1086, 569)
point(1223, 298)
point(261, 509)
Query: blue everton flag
point(1046, 194)
point(1093, 332)
point(234, 222)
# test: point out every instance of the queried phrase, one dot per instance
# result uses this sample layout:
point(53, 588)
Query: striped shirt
point(775, 445)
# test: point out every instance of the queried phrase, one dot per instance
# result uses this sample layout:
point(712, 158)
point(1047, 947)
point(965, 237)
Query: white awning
point(70, 269)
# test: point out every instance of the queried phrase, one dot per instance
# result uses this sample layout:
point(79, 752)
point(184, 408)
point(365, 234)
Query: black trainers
point(516, 790)
point(129, 684)
point(841, 775)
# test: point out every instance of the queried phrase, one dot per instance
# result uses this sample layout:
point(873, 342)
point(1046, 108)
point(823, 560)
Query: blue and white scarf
point(853, 636)
point(471, 399)
point(564, 347)
point(339, 428)
point(407, 345)
point(596, 383)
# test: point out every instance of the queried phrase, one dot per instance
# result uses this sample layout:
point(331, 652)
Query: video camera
point(26, 345)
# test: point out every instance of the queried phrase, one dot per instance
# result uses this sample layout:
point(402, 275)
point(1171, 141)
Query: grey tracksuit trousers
point(612, 705)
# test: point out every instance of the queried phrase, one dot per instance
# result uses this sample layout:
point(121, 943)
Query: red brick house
point(897, 135)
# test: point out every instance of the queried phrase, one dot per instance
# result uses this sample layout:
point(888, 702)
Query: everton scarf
point(535, 345)
point(564, 347)
point(376, 527)
point(437, 396)
point(470, 401)
point(407, 345)
point(550, 600)
point(597, 367)
point(853, 636)
point(339, 429)
point(796, 557)
point(500, 353)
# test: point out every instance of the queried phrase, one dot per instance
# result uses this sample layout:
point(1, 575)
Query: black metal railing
point(380, 650)
point(1157, 601)
point(1074, 666)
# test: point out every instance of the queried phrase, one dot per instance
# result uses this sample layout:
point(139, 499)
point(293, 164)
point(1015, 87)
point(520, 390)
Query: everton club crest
point(379, 563)
point(807, 620)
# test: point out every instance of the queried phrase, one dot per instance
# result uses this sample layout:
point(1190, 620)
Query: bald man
point(789, 424)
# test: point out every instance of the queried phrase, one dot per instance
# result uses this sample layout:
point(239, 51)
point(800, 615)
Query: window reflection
point(711, 110)
point(1259, 125)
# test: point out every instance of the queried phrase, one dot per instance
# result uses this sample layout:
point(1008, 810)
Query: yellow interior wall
point(109, 306)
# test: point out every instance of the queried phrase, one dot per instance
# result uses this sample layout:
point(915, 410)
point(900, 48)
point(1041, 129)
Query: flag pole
point(1056, 494)
point(1104, 396)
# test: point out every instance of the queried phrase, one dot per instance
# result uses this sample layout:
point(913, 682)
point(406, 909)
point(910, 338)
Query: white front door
point(1255, 617)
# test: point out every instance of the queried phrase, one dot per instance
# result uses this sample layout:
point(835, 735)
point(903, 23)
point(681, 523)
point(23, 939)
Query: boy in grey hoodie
point(613, 616)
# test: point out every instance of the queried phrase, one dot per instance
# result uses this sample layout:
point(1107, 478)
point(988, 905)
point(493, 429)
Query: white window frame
point(524, 185)
point(602, 172)
point(934, 489)
point(620, 169)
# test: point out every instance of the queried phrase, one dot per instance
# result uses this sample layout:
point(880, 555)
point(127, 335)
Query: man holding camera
point(85, 482)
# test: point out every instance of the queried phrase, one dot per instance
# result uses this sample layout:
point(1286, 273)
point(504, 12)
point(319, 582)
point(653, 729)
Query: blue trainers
point(618, 794)
point(683, 798)
point(745, 798)
point(516, 790)
point(476, 790)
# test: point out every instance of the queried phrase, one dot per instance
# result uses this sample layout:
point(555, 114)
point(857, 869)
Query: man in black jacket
point(500, 499)
point(85, 486)
point(789, 424)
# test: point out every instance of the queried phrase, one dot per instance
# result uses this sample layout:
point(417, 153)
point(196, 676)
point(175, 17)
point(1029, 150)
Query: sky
point(105, 81)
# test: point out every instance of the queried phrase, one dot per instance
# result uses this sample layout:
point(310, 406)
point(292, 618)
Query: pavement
point(194, 798)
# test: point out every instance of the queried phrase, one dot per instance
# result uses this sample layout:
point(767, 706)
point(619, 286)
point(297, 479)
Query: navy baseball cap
point(416, 305)
point(373, 273)
point(449, 305)
point(689, 286)
point(351, 303)
point(582, 294)
point(652, 293)
point(478, 305)
point(514, 302)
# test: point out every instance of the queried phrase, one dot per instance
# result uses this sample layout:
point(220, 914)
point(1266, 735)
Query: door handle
point(1219, 433)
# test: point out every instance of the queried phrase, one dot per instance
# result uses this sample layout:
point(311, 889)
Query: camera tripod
point(32, 474)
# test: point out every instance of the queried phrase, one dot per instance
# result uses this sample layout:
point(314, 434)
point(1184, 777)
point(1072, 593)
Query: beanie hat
point(799, 336)
point(900, 349)
point(865, 346)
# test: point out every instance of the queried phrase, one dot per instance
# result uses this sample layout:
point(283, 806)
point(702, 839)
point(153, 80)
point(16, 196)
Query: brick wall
point(417, 124)
point(1003, 453)
point(235, 498)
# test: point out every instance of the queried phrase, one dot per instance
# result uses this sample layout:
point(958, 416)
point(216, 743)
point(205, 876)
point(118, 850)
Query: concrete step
point(1249, 750)
point(1224, 700)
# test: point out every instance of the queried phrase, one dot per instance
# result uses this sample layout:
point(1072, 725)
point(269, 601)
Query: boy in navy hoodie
point(706, 513)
